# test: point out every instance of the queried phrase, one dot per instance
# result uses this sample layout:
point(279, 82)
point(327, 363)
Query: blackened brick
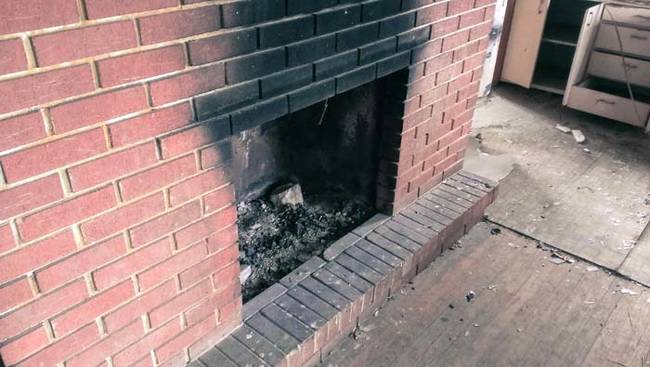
point(308, 6)
point(355, 78)
point(334, 19)
point(336, 64)
point(310, 95)
point(258, 114)
point(247, 12)
point(412, 4)
point(377, 50)
point(311, 50)
point(396, 24)
point(377, 9)
point(222, 46)
point(255, 65)
point(287, 80)
point(286, 31)
point(393, 64)
point(227, 99)
point(413, 38)
point(355, 37)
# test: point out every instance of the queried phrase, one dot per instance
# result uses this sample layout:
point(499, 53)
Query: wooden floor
point(527, 311)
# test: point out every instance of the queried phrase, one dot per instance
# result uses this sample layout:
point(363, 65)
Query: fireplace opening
point(304, 180)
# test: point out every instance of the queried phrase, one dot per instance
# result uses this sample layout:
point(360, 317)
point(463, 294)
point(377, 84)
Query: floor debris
point(562, 128)
point(592, 268)
point(495, 231)
point(557, 258)
point(470, 296)
point(628, 291)
point(578, 136)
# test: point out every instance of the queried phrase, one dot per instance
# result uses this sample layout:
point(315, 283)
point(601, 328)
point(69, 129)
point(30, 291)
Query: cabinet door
point(523, 44)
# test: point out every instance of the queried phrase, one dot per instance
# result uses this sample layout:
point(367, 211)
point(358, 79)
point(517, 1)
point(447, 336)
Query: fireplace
point(330, 152)
point(120, 187)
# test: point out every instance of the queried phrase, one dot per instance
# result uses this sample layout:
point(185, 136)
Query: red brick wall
point(117, 229)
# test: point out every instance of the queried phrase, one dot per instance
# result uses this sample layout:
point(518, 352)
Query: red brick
point(98, 108)
point(114, 342)
point(179, 24)
point(471, 18)
point(215, 155)
point(81, 262)
point(444, 27)
point(187, 140)
point(431, 13)
point(489, 12)
point(102, 9)
point(185, 339)
point(188, 84)
point(92, 308)
point(222, 239)
point(152, 340)
point(157, 177)
point(480, 31)
point(7, 240)
point(42, 14)
point(14, 293)
point(79, 43)
point(215, 263)
point(218, 199)
point(197, 185)
point(165, 224)
point(172, 266)
point(66, 213)
point(21, 130)
point(131, 264)
point(455, 40)
point(140, 305)
point(12, 56)
point(37, 89)
point(112, 166)
point(459, 6)
point(227, 274)
point(53, 155)
point(180, 303)
point(149, 125)
point(213, 337)
point(19, 348)
point(206, 226)
point(32, 257)
point(34, 194)
point(123, 217)
point(64, 348)
point(128, 68)
point(209, 306)
point(41, 308)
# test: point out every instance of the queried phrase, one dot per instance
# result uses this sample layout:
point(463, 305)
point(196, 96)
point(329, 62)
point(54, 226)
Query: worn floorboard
point(527, 311)
point(590, 200)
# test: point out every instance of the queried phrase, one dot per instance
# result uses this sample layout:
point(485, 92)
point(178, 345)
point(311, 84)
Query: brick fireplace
point(118, 237)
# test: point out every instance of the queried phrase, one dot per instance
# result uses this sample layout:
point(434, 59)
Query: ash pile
point(281, 230)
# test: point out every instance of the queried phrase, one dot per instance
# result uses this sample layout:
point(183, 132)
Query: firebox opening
point(330, 149)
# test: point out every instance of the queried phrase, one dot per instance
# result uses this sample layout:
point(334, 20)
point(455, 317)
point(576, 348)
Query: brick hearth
point(296, 321)
point(118, 239)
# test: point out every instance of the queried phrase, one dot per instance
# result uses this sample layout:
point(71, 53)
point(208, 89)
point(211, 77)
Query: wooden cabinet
point(610, 73)
point(542, 42)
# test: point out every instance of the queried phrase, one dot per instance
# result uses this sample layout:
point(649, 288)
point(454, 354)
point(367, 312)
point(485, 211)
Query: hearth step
point(296, 321)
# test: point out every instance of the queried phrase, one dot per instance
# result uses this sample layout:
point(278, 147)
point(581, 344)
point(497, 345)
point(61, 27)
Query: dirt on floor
point(274, 240)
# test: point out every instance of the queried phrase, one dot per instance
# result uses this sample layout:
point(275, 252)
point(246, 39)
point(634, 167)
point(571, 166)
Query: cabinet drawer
point(638, 17)
point(608, 105)
point(610, 66)
point(635, 41)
